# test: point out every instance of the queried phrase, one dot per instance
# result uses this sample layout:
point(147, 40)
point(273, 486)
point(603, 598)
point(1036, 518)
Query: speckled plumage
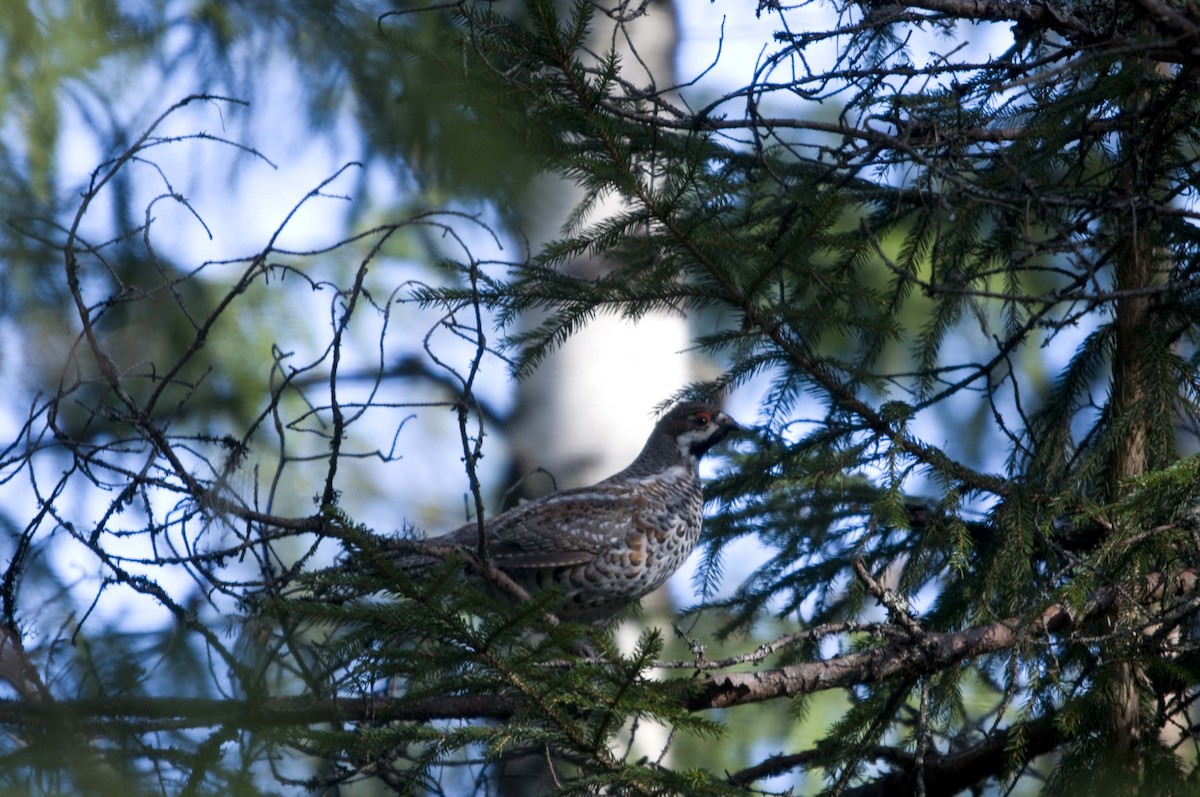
point(607, 545)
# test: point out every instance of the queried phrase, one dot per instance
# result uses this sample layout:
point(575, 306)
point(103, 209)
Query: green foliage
point(879, 284)
point(964, 287)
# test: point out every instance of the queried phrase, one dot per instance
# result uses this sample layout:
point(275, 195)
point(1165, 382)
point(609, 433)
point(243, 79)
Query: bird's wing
point(561, 530)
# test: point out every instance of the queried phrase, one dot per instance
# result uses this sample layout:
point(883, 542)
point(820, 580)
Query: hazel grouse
point(607, 545)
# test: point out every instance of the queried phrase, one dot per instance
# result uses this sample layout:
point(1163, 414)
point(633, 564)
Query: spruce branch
point(930, 651)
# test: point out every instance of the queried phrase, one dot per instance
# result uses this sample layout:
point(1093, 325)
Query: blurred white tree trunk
point(586, 411)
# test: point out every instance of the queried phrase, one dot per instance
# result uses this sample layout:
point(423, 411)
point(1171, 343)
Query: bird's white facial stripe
point(686, 440)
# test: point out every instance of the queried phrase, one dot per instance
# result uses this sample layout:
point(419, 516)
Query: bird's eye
point(703, 418)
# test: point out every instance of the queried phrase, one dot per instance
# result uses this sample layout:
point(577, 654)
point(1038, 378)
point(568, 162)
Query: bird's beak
point(729, 423)
point(727, 426)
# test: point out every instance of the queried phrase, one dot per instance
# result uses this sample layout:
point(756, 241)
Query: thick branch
point(1042, 15)
point(180, 712)
point(925, 653)
point(952, 774)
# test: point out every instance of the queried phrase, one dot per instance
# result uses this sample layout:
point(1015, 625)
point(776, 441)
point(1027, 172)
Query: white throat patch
point(686, 440)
